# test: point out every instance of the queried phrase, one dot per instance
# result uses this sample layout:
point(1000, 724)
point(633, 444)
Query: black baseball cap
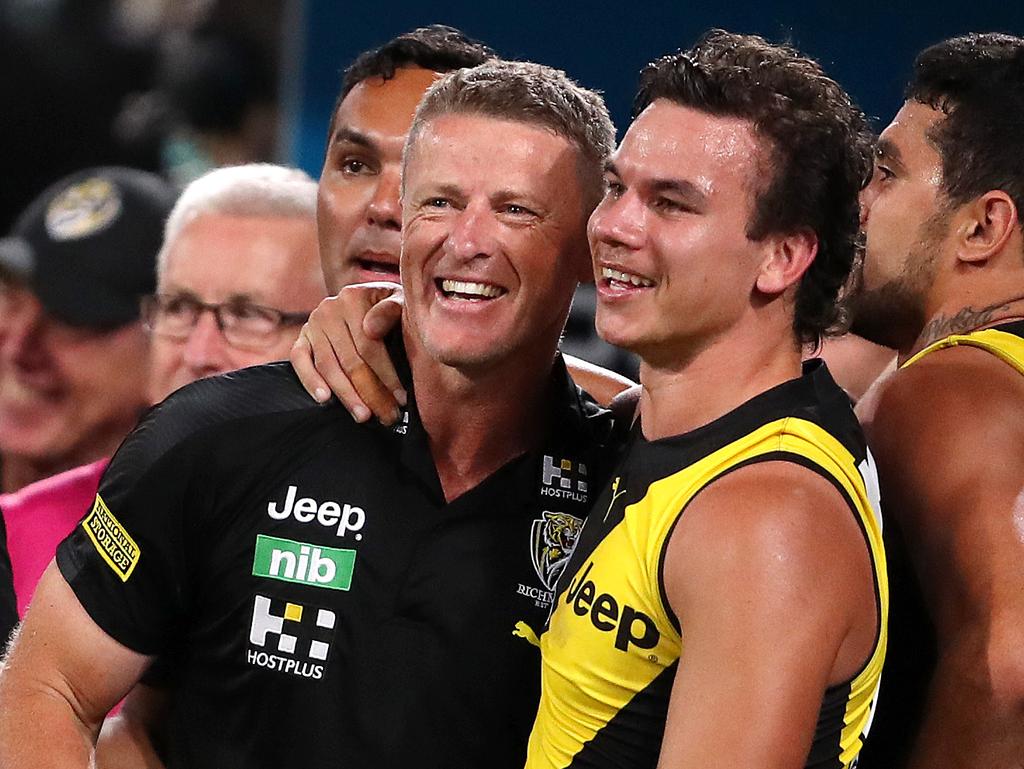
point(87, 246)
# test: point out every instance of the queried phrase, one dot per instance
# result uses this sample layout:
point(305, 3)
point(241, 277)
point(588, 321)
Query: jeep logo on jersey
point(552, 539)
point(630, 625)
point(289, 637)
point(330, 514)
point(563, 480)
point(305, 564)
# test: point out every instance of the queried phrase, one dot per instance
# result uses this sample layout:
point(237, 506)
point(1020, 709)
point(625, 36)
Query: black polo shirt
point(8, 604)
point(322, 603)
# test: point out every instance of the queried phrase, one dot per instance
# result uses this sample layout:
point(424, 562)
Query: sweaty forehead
point(383, 109)
point(484, 146)
point(671, 141)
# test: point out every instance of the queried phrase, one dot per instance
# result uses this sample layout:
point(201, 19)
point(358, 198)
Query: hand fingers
point(301, 357)
point(362, 377)
point(330, 369)
point(381, 318)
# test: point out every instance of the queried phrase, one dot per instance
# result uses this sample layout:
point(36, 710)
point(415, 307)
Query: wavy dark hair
point(977, 80)
point(436, 47)
point(817, 159)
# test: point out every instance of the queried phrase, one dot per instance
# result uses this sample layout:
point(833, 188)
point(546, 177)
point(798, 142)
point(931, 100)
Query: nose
point(384, 209)
point(867, 199)
point(206, 349)
point(618, 222)
point(473, 234)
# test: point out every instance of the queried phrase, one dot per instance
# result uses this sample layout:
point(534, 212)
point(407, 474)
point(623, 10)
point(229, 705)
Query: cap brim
point(81, 300)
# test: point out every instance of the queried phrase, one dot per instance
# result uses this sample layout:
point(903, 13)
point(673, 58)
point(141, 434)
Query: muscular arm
point(62, 675)
point(948, 436)
point(772, 580)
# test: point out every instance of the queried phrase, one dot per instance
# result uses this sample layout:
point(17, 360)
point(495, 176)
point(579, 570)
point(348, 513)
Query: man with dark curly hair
point(726, 603)
point(943, 283)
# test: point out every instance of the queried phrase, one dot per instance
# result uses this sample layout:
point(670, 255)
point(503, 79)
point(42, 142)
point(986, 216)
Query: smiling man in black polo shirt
point(344, 594)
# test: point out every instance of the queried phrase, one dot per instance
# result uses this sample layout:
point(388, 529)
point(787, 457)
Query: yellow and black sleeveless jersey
point(1005, 342)
point(612, 646)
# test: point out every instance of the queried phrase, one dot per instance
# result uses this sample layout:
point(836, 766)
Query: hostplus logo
point(564, 479)
point(289, 637)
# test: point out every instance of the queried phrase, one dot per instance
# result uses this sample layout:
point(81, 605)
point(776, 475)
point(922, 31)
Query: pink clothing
point(39, 516)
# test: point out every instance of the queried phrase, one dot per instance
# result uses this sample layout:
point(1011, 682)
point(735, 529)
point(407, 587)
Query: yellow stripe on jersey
point(1009, 347)
point(611, 646)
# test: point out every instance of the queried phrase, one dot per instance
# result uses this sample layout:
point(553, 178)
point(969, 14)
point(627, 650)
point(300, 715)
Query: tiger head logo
point(552, 539)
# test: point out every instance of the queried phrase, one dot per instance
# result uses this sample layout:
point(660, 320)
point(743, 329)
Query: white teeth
point(625, 277)
point(470, 289)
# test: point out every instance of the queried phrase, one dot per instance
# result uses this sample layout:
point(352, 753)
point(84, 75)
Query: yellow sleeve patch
point(111, 540)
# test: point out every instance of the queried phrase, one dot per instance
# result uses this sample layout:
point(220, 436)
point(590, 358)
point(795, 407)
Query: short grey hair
point(534, 94)
point(254, 189)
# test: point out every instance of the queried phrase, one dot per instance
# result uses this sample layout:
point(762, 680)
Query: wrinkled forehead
point(480, 145)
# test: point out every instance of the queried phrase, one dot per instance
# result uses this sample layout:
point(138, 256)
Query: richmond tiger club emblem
point(552, 539)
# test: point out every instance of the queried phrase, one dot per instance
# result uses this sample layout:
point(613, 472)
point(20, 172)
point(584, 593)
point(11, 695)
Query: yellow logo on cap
point(83, 209)
point(111, 540)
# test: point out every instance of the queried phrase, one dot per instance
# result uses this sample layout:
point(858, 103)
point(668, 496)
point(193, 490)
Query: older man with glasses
point(238, 274)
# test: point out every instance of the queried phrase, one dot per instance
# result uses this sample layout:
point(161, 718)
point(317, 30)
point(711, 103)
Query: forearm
point(39, 727)
point(125, 745)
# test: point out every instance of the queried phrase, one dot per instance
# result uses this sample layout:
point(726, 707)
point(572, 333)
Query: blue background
point(868, 47)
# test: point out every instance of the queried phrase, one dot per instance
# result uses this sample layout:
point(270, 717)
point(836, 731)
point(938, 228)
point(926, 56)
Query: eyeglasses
point(244, 325)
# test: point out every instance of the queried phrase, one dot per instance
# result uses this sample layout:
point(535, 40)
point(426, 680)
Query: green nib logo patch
point(302, 563)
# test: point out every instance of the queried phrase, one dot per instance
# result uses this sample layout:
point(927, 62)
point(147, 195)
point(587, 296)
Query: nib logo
point(306, 564)
point(289, 637)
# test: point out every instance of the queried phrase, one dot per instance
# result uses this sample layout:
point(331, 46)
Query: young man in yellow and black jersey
point(943, 282)
point(726, 602)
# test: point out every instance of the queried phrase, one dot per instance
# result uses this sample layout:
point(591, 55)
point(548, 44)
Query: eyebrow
point(885, 149)
point(688, 190)
point(350, 135)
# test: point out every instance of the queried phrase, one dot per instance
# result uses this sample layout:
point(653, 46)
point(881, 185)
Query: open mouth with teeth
point(468, 291)
point(384, 268)
point(622, 280)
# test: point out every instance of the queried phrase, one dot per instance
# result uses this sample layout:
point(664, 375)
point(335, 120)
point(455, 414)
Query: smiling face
point(673, 265)
point(494, 239)
point(906, 226)
point(358, 210)
point(67, 394)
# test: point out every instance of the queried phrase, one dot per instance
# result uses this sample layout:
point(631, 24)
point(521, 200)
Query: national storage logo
point(302, 563)
point(112, 542)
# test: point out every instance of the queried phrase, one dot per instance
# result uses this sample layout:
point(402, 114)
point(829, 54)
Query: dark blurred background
point(180, 86)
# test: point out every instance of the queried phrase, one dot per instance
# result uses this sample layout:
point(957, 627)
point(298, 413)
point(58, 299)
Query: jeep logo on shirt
point(631, 626)
point(330, 514)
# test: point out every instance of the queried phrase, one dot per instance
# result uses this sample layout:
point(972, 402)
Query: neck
point(963, 317)
point(478, 419)
point(711, 382)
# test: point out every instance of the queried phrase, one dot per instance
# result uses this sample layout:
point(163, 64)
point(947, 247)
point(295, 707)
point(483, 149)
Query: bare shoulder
point(773, 523)
point(770, 559)
point(939, 416)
